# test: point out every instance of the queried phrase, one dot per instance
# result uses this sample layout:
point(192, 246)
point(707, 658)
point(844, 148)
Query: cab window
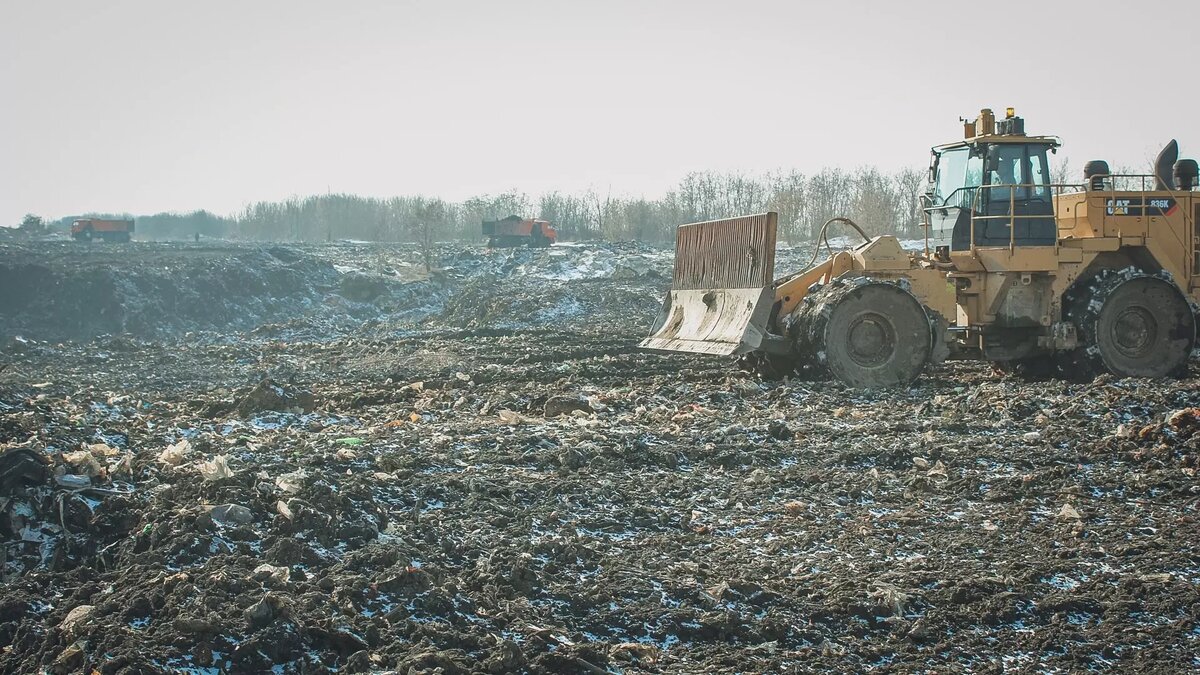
point(951, 170)
point(959, 171)
point(1022, 165)
point(1039, 172)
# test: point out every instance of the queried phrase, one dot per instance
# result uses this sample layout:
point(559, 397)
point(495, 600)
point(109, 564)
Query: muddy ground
point(475, 471)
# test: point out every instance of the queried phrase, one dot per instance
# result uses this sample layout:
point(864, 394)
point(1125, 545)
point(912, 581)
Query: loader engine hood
point(722, 289)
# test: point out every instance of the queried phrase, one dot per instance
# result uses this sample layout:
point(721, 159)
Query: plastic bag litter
point(291, 483)
point(510, 417)
point(176, 453)
point(73, 482)
point(83, 461)
point(231, 513)
point(103, 450)
point(265, 571)
point(216, 469)
point(1068, 512)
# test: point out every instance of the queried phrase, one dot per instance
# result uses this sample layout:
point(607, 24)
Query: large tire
point(1131, 324)
point(868, 333)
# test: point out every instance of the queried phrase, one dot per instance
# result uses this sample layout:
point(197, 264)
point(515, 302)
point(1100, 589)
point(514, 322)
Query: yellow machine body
point(1017, 292)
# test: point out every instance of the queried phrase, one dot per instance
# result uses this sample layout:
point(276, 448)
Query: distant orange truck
point(513, 231)
point(86, 229)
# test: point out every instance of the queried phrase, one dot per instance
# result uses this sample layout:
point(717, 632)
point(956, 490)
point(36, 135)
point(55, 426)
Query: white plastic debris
point(176, 453)
point(938, 470)
point(265, 571)
point(291, 482)
point(510, 417)
point(102, 450)
point(1068, 512)
point(73, 482)
point(83, 462)
point(216, 469)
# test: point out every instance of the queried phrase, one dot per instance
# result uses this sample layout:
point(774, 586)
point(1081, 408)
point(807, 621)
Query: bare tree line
point(880, 202)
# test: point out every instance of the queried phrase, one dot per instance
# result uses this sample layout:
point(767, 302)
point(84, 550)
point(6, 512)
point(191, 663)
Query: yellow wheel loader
point(1102, 276)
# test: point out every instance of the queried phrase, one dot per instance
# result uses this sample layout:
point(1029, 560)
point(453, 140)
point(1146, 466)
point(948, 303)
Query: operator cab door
point(1001, 185)
point(956, 174)
point(1016, 194)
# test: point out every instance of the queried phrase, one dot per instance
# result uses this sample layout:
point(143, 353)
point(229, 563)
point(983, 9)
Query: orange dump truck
point(513, 231)
point(86, 229)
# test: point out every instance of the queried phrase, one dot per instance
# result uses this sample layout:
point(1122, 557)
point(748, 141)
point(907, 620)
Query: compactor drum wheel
point(1133, 324)
point(869, 334)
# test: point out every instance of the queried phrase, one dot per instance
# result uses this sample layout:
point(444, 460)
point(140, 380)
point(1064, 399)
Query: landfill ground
point(312, 459)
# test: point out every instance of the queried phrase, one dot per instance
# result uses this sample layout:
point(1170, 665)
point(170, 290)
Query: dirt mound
point(66, 294)
point(57, 291)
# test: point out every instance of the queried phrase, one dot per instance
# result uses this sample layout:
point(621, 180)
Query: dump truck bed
point(97, 225)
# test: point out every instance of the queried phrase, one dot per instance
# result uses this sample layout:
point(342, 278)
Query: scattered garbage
point(498, 481)
point(269, 395)
point(215, 469)
point(73, 481)
point(1068, 512)
point(231, 514)
point(176, 453)
point(565, 405)
point(21, 465)
point(72, 626)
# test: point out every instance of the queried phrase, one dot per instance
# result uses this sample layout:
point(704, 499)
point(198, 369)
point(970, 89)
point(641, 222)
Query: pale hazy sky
point(145, 106)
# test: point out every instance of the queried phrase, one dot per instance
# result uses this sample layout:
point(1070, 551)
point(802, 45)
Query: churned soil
point(352, 485)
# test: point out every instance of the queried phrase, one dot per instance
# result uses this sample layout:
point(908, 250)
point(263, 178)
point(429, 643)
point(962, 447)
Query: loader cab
point(991, 189)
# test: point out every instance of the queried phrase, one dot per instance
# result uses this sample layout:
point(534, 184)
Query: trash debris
point(1068, 512)
point(215, 469)
point(231, 514)
point(261, 613)
point(279, 574)
point(83, 462)
point(570, 505)
point(176, 453)
point(73, 625)
point(269, 395)
point(292, 482)
point(510, 417)
point(1186, 419)
point(565, 405)
point(938, 470)
point(21, 466)
point(73, 481)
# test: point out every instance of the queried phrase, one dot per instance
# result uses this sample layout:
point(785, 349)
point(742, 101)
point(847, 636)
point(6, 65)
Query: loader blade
point(722, 290)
